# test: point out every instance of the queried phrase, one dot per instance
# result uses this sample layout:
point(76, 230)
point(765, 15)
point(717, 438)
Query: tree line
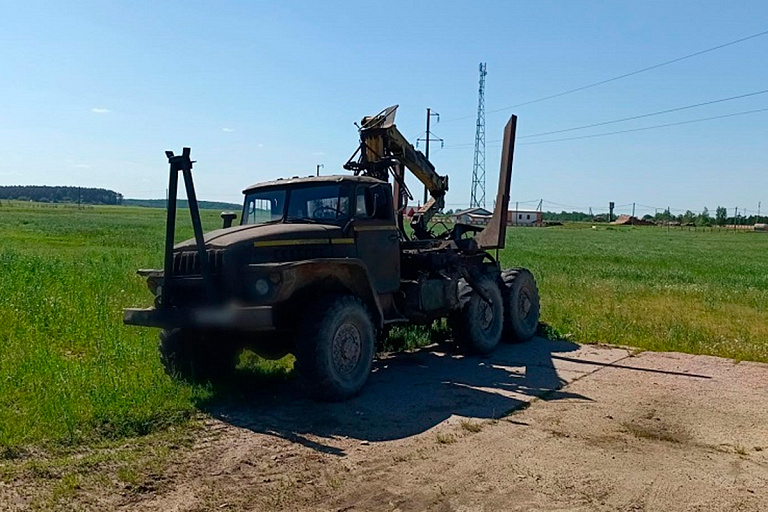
point(46, 194)
point(689, 218)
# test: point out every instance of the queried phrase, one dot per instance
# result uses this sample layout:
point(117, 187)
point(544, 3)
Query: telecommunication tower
point(478, 168)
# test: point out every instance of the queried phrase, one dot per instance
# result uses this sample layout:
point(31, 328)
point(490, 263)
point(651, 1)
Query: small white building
point(524, 218)
point(481, 217)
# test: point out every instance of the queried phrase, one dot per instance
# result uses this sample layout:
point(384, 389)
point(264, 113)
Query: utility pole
point(632, 220)
point(758, 213)
point(477, 197)
point(317, 171)
point(610, 211)
point(735, 216)
point(517, 209)
point(427, 139)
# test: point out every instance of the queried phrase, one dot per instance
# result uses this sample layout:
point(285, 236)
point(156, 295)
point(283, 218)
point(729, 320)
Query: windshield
point(311, 203)
point(264, 206)
point(318, 203)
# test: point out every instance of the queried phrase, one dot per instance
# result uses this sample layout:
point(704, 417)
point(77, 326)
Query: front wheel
point(196, 355)
point(335, 348)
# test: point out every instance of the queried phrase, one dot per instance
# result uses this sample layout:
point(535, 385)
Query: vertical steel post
point(427, 152)
point(182, 163)
point(170, 230)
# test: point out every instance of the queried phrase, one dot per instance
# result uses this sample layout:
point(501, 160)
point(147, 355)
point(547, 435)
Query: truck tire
point(335, 348)
point(477, 325)
point(521, 304)
point(194, 356)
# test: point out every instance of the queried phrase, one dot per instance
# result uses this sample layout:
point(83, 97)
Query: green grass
point(72, 373)
point(69, 370)
point(690, 291)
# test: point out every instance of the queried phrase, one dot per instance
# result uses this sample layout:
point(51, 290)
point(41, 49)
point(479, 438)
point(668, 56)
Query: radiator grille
point(187, 263)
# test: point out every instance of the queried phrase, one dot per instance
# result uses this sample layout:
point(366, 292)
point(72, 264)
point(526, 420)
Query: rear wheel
point(335, 348)
point(196, 355)
point(521, 304)
point(477, 325)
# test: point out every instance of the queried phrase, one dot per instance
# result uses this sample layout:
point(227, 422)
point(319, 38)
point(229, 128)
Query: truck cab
point(354, 211)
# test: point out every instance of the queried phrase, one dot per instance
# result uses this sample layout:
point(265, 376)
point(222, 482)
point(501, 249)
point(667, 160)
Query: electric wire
point(642, 116)
point(619, 77)
point(647, 127)
point(639, 116)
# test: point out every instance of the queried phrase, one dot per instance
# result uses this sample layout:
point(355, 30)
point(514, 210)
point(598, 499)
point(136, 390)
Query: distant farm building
point(475, 215)
point(628, 220)
point(481, 217)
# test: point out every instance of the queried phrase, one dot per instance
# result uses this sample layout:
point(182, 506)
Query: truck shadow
point(407, 394)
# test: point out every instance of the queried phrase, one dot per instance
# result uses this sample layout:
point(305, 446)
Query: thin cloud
point(98, 110)
point(82, 166)
point(318, 153)
point(228, 130)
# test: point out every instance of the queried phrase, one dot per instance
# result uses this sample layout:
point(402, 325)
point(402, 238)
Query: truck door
point(376, 236)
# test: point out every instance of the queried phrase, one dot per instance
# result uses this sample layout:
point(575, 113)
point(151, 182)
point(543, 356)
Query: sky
point(93, 93)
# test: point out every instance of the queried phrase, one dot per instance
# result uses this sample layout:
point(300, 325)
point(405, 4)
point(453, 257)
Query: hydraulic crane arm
point(383, 149)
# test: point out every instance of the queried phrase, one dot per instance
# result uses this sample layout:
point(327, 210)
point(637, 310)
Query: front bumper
point(250, 318)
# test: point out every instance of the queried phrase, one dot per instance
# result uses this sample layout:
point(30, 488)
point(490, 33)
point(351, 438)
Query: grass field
point(71, 373)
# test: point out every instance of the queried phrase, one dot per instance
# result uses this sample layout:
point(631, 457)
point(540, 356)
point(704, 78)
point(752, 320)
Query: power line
point(641, 116)
point(647, 127)
point(637, 72)
point(625, 75)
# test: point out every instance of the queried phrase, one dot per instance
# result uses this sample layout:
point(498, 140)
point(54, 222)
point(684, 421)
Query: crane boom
point(383, 149)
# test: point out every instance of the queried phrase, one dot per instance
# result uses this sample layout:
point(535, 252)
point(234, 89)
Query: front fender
point(298, 278)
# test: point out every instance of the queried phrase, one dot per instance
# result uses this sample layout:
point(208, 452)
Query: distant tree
point(721, 214)
point(664, 216)
point(688, 217)
point(567, 216)
point(703, 219)
point(648, 217)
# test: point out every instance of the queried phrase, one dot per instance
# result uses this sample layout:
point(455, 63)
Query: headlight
point(262, 287)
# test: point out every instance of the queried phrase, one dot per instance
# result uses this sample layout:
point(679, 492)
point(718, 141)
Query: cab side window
point(361, 212)
point(373, 202)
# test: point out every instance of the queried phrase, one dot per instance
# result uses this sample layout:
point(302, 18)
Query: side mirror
point(376, 202)
point(228, 217)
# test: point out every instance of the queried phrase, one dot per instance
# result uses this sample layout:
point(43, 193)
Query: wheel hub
point(525, 304)
point(347, 348)
point(486, 314)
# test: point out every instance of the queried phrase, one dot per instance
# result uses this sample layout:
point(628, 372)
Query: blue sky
point(92, 93)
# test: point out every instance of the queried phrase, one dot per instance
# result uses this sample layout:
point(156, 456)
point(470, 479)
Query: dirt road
point(593, 428)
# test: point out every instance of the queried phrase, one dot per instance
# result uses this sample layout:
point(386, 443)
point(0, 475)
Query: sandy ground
point(591, 428)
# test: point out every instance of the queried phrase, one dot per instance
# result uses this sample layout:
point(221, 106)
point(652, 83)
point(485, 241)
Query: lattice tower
point(478, 168)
